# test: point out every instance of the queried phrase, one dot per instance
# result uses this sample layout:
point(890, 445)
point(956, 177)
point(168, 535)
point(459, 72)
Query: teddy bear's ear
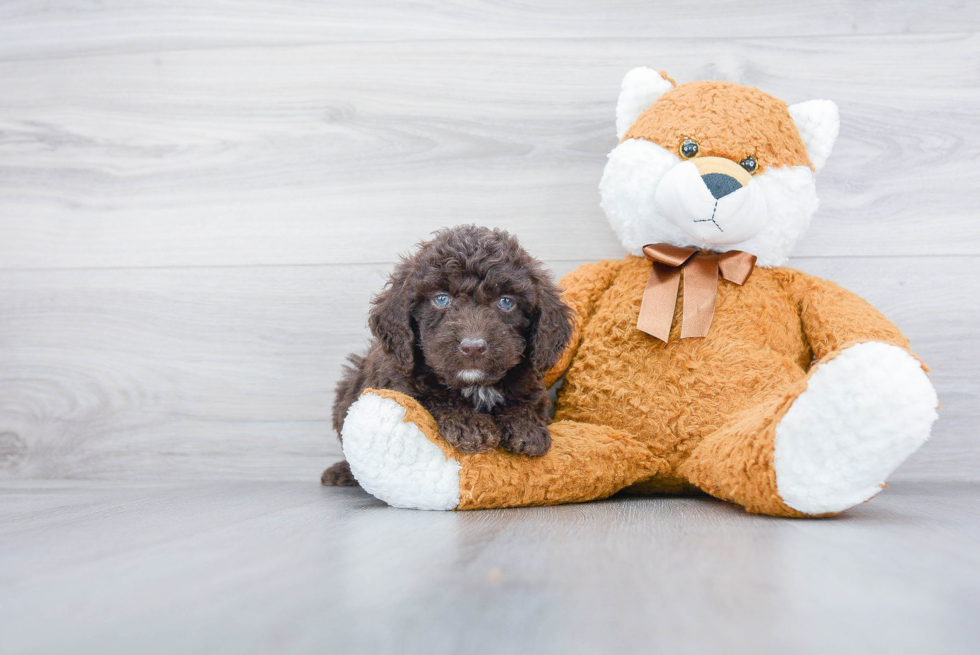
point(641, 87)
point(819, 123)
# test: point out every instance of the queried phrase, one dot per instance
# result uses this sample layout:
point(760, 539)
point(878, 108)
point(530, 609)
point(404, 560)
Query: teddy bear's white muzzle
point(712, 208)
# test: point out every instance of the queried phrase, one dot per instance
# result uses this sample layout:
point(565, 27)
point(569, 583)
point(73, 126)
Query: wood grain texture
point(293, 568)
point(228, 372)
point(32, 29)
point(197, 199)
point(352, 152)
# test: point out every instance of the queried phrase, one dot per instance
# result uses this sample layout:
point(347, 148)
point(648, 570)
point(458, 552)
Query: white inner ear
point(641, 88)
point(819, 124)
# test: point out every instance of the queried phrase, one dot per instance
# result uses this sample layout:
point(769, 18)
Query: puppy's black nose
point(720, 185)
point(473, 347)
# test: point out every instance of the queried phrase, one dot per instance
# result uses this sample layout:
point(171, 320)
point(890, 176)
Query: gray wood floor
point(280, 567)
point(197, 200)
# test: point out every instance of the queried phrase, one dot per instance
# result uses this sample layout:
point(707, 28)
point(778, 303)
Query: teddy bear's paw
point(862, 414)
point(394, 461)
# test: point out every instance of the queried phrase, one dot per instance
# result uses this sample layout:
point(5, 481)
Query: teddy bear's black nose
point(720, 185)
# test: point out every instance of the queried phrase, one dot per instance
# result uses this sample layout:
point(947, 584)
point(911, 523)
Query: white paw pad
point(862, 414)
point(393, 461)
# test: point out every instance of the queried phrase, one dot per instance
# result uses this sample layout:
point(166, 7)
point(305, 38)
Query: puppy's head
point(471, 304)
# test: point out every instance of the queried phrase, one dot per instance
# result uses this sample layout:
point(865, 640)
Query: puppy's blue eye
point(441, 300)
point(506, 303)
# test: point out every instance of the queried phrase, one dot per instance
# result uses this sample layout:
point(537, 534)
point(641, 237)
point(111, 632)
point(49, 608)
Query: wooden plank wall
point(197, 199)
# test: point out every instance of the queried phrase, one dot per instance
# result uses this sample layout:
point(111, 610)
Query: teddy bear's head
point(714, 165)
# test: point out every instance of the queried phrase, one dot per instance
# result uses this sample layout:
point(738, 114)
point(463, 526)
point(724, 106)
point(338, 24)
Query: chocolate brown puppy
point(467, 325)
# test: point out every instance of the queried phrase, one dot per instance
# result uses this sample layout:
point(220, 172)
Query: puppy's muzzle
point(473, 347)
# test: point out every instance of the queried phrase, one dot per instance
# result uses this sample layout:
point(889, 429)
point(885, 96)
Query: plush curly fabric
point(727, 120)
point(707, 406)
point(586, 462)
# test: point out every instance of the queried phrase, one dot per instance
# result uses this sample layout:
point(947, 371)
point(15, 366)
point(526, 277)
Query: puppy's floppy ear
point(391, 316)
point(552, 327)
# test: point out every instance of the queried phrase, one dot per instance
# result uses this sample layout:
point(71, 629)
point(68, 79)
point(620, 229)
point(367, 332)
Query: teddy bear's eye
point(749, 164)
point(689, 148)
point(441, 300)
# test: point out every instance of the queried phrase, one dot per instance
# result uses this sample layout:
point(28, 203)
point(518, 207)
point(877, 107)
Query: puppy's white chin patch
point(471, 375)
point(684, 199)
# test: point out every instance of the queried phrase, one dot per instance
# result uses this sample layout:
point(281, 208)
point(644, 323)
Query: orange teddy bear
point(698, 362)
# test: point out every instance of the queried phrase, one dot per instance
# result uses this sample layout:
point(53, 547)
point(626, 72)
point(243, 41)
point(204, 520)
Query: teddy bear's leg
point(394, 449)
point(828, 443)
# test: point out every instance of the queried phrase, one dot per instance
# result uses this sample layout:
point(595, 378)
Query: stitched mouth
point(712, 219)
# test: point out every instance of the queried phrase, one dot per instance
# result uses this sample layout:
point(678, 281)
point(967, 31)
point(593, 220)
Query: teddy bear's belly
point(670, 396)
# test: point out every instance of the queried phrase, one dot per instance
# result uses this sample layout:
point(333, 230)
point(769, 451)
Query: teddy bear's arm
point(835, 318)
point(581, 290)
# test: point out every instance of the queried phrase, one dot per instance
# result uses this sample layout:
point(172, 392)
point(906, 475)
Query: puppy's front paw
point(470, 432)
point(524, 435)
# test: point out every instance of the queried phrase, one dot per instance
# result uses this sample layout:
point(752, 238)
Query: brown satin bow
point(700, 287)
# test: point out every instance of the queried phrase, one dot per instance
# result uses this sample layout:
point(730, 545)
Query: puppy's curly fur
point(467, 326)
